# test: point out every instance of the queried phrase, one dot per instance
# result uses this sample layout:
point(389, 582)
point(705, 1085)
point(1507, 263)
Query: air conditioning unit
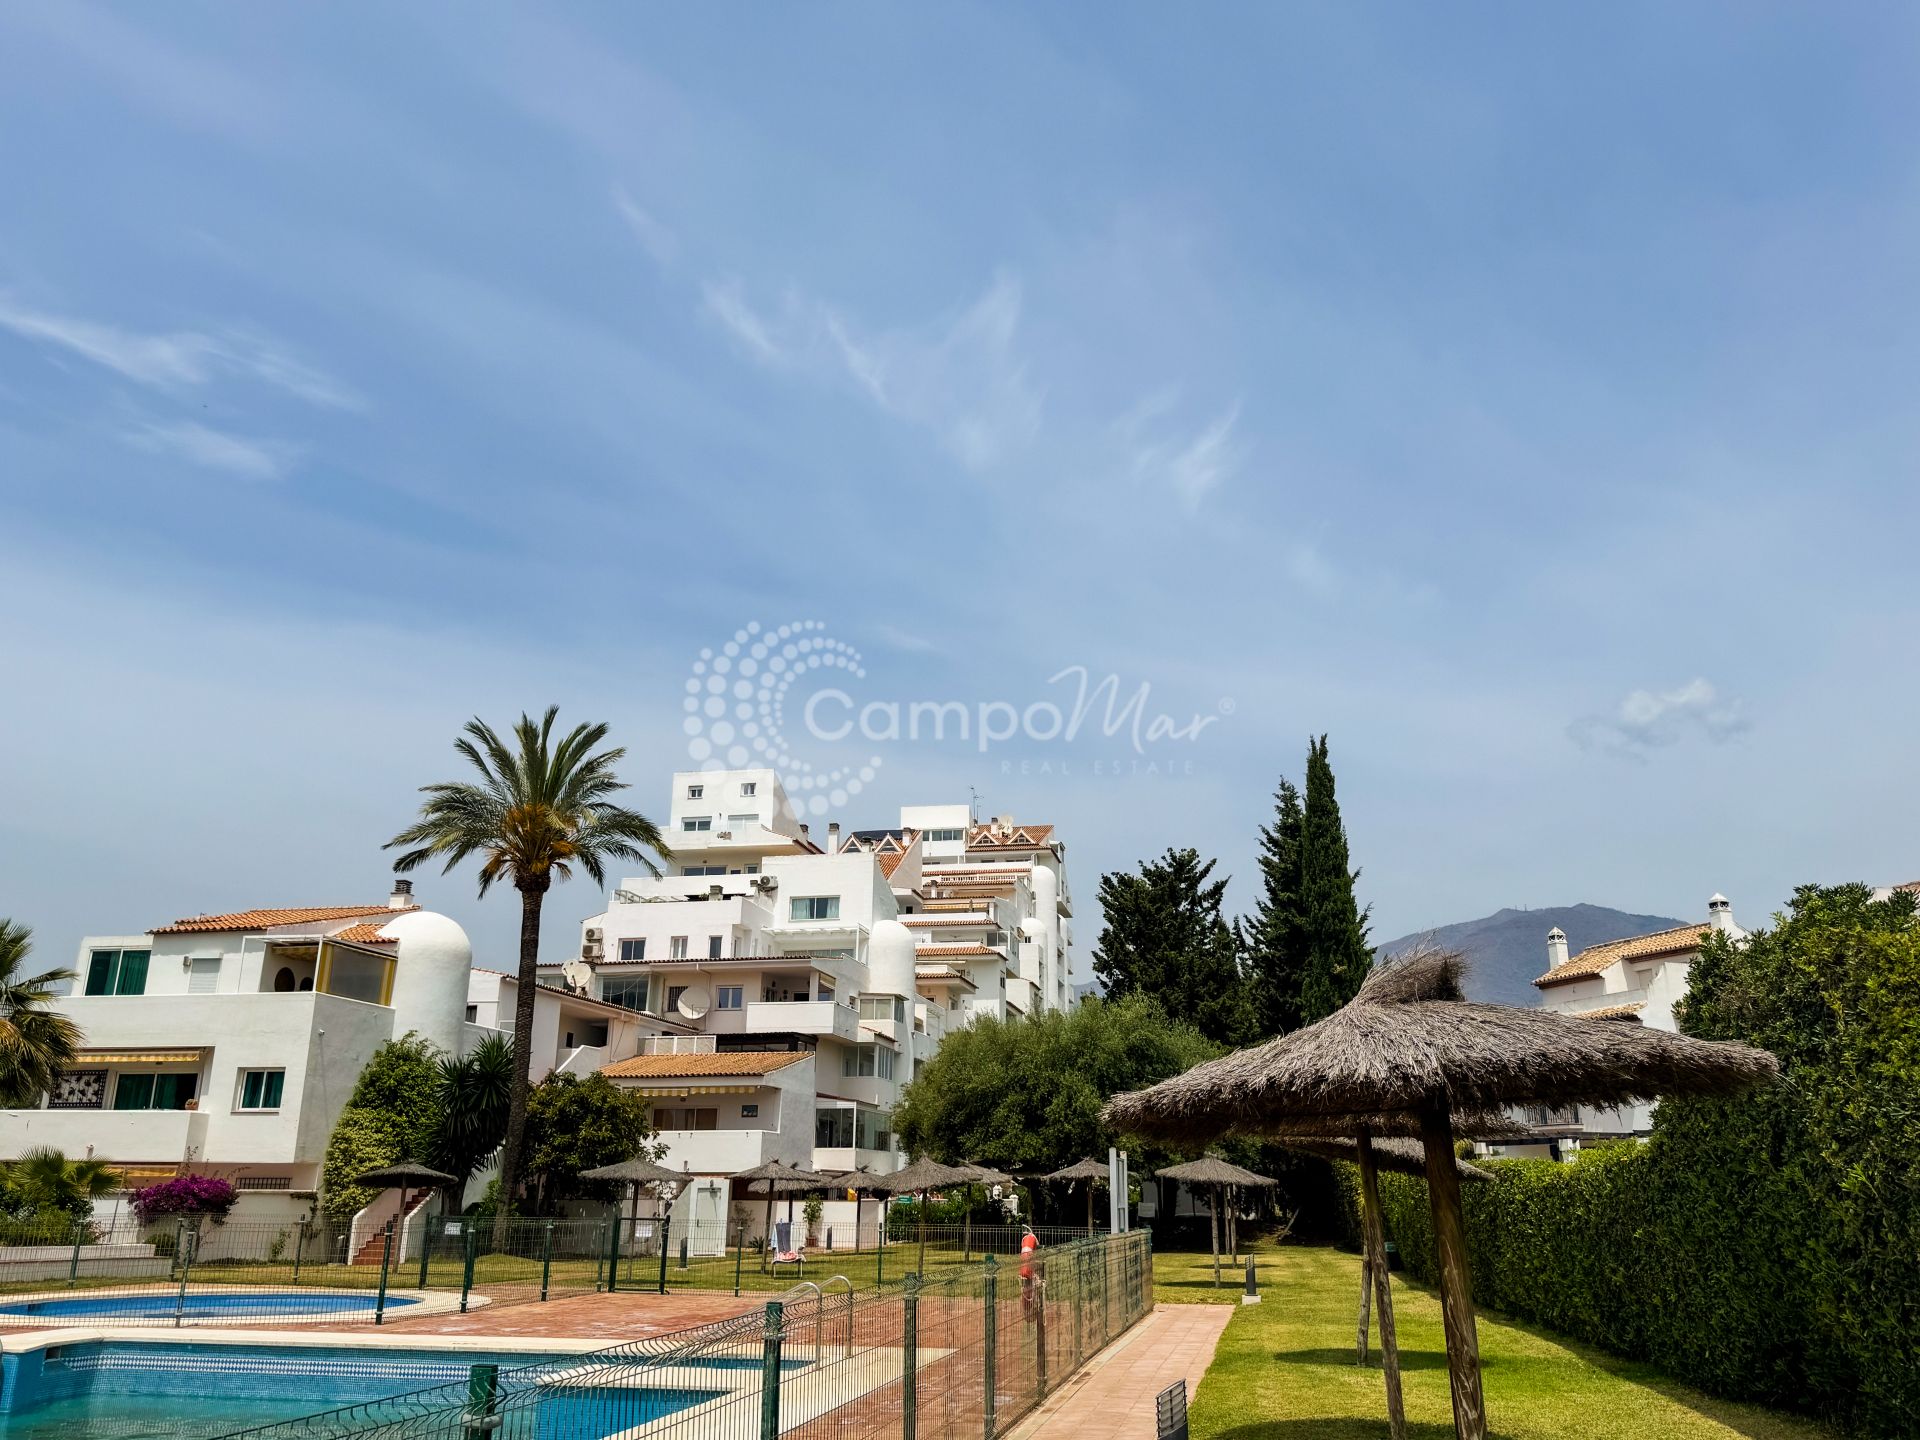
point(594, 935)
point(592, 950)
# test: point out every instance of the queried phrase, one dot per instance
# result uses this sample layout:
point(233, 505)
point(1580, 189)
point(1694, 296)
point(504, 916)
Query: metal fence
point(965, 1350)
point(185, 1272)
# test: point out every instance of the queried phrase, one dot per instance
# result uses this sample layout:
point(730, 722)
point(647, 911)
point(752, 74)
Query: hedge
point(1766, 1248)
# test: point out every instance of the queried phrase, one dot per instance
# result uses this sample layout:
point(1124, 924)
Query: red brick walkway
point(1112, 1398)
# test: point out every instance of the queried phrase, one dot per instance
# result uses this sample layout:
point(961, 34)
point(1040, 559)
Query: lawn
point(1285, 1368)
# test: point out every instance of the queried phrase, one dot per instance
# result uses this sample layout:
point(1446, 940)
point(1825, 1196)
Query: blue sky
point(1522, 396)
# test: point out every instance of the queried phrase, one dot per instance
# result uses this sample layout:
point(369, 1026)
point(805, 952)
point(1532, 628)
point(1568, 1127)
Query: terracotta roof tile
point(956, 950)
point(928, 922)
point(889, 861)
point(733, 1062)
point(1612, 1012)
point(1591, 961)
point(269, 919)
point(367, 933)
point(1013, 837)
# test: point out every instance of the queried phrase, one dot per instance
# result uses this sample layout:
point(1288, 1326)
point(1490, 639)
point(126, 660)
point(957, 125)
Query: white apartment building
point(1637, 981)
point(800, 981)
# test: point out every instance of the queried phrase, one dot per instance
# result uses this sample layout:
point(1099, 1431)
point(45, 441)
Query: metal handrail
point(823, 1300)
point(819, 1310)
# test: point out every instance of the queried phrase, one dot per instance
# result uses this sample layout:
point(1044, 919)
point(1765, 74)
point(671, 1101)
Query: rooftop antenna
point(973, 806)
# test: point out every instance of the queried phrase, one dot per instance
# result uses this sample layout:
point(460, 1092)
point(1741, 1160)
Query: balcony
point(152, 1137)
point(727, 1152)
point(804, 1017)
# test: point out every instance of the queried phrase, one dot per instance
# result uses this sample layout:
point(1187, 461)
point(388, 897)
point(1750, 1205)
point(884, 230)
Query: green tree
point(1272, 937)
point(47, 1184)
point(539, 808)
point(35, 1043)
point(473, 1093)
point(1335, 955)
point(392, 1114)
point(576, 1124)
point(1164, 937)
point(1024, 1094)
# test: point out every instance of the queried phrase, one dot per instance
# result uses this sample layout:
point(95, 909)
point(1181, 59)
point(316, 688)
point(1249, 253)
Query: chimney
point(1720, 914)
point(803, 830)
point(402, 896)
point(1556, 948)
point(833, 837)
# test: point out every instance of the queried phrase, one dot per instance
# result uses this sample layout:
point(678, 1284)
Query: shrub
point(392, 1114)
point(186, 1197)
point(1761, 1247)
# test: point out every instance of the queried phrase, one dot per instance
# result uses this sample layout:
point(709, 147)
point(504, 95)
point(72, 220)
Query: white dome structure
point(890, 954)
point(430, 972)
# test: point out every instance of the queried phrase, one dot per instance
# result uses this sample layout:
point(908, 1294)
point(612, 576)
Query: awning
point(655, 1091)
point(180, 1055)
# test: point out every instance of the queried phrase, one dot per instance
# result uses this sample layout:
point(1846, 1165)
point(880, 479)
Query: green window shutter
point(134, 1092)
point(133, 973)
point(100, 972)
point(275, 1086)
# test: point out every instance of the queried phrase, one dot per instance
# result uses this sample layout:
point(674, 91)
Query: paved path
point(1112, 1397)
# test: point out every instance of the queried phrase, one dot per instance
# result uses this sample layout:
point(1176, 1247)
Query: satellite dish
point(693, 1002)
point(578, 975)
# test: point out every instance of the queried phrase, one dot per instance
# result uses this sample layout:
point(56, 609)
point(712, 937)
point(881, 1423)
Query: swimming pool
point(185, 1390)
point(200, 1305)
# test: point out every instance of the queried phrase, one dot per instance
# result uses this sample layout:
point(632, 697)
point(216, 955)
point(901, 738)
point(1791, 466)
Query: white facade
point(1637, 981)
point(811, 975)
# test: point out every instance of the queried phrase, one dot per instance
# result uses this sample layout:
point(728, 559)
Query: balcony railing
point(804, 1017)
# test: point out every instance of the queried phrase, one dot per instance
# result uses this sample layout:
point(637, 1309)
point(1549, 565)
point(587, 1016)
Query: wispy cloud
point(962, 377)
point(214, 449)
point(1648, 720)
point(183, 359)
point(1192, 464)
point(654, 236)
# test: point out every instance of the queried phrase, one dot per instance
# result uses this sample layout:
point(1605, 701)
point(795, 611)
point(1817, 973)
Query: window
point(203, 975)
point(628, 993)
point(473, 1014)
point(674, 992)
point(730, 997)
point(693, 824)
point(938, 837)
point(117, 972)
point(703, 870)
point(833, 1128)
point(873, 1130)
point(714, 942)
point(694, 792)
point(865, 1060)
point(882, 1007)
point(167, 1091)
point(740, 822)
point(749, 1112)
point(261, 1089)
point(750, 787)
point(814, 907)
point(633, 950)
point(685, 1118)
point(677, 948)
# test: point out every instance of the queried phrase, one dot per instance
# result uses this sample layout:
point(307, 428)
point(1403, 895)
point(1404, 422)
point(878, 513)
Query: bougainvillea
point(186, 1195)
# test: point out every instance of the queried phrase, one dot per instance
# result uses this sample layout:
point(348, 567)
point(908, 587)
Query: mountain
point(1508, 949)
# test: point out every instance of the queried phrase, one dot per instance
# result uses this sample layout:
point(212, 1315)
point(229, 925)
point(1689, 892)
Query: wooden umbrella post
point(1376, 1263)
point(1366, 1297)
point(1456, 1297)
point(1214, 1206)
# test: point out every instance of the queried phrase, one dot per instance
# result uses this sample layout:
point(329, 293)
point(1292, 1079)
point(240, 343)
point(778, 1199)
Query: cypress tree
point(1333, 939)
point(1271, 938)
point(1165, 937)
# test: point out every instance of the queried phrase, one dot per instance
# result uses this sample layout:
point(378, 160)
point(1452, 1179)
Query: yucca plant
point(538, 808)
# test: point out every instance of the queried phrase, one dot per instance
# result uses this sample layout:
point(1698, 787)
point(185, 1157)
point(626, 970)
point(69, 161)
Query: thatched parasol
point(1410, 1044)
point(776, 1177)
point(636, 1174)
point(918, 1178)
point(406, 1176)
point(1089, 1172)
point(1218, 1176)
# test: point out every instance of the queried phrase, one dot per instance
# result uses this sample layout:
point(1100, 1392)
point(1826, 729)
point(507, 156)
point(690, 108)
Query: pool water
point(205, 1306)
point(135, 1417)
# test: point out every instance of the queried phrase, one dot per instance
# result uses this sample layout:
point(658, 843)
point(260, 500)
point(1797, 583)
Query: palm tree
point(35, 1042)
point(48, 1182)
point(537, 810)
point(475, 1095)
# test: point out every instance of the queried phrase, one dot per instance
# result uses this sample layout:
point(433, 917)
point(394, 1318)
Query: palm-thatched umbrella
point(776, 1177)
point(1089, 1172)
point(1218, 1176)
point(1409, 1045)
point(918, 1178)
point(638, 1173)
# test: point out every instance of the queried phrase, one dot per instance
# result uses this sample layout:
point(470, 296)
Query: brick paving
point(1112, 1399)
point(601, 1319)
